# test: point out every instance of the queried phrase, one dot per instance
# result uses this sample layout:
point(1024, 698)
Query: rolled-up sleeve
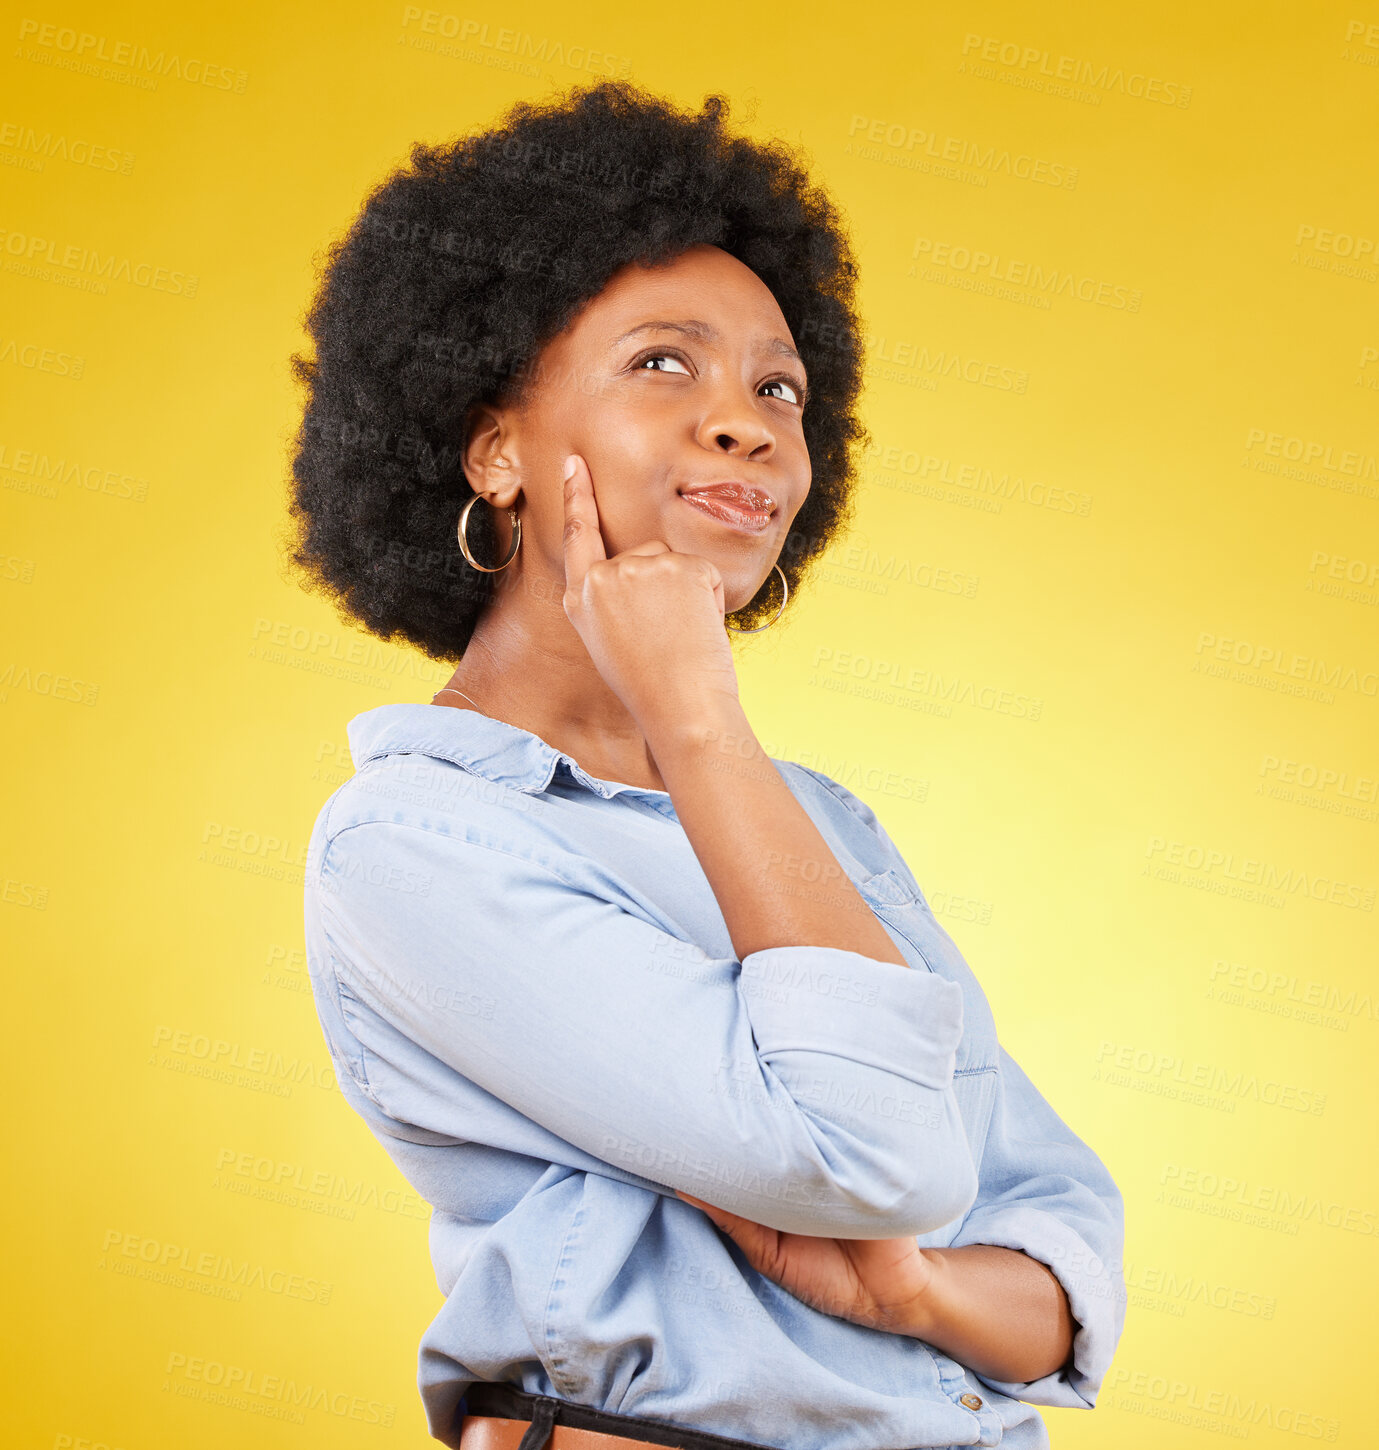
point(808, 1088)
point(1043, 1191)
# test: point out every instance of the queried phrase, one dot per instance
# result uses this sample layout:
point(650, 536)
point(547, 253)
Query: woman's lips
point(735, 515)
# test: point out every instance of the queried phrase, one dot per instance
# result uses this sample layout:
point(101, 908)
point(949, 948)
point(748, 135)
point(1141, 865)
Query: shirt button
point(973, 1402)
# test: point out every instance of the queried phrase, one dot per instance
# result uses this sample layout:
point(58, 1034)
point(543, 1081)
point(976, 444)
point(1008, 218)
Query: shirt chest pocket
point(928, 947)
point(975, 1090)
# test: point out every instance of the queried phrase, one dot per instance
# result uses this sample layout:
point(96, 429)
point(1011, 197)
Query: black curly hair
point(462, 265)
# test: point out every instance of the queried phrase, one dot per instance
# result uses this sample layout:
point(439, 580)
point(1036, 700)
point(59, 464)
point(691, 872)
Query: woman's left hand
point(880, 1283)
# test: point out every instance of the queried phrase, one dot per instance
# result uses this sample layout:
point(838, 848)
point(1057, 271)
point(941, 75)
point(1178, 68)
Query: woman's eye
point(658, 357)
point(796, 392)
point(797, 395)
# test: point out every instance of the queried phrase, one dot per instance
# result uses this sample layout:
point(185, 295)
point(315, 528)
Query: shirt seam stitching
point(358, 1070)
point(466, 840)
point(355, 1062)
point(538, 862)
point(552, 1342)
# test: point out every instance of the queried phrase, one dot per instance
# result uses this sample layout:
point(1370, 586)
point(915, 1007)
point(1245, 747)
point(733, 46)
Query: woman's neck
point(543, 681)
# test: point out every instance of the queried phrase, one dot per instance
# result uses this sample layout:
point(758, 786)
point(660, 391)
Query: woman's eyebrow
point(693, 327)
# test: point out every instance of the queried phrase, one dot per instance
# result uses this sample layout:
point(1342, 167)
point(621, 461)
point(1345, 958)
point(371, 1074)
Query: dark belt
point(502, 1417)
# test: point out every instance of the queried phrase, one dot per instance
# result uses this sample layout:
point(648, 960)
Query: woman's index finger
point(583, 543)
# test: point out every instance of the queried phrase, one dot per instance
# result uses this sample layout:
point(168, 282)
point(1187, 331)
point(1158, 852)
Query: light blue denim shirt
point(531, 997)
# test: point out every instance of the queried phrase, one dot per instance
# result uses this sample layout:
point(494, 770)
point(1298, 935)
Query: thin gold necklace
point(449, 691)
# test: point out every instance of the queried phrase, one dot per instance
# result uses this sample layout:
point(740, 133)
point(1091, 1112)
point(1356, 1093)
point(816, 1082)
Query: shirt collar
point(491, 748)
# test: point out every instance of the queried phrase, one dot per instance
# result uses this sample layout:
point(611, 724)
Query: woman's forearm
point(776, 881)
point(996, 1310)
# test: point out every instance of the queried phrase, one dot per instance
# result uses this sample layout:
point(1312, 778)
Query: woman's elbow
point(907, 1188)
point(944, 1192)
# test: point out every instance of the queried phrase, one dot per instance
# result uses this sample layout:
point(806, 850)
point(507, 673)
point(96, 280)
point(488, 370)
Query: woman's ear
point(488, 457)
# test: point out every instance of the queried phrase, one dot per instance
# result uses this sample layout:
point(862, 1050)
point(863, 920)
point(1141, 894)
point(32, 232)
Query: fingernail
point(569, 468)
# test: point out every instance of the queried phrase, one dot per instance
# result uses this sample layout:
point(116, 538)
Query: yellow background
point(1093, 507)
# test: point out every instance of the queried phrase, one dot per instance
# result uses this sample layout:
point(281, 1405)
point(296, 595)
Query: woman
point(721, 1143)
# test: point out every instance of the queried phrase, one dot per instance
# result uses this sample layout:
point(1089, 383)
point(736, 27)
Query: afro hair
point(459, 268)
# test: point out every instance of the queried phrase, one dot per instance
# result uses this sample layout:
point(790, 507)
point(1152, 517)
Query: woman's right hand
point(879, 1283)
point(650, 617)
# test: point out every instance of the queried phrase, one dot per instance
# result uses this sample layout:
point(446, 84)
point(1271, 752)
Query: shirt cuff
point(904, 1021)
point(1096, 1296)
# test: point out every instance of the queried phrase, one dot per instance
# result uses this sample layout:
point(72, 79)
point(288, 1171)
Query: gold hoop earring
point(464, 543)
point(785, 587)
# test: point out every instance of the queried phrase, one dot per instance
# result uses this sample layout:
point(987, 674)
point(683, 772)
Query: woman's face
point(672, 378)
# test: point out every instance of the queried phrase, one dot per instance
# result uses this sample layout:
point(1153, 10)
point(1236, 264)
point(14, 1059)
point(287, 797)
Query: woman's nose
point(735, 425)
